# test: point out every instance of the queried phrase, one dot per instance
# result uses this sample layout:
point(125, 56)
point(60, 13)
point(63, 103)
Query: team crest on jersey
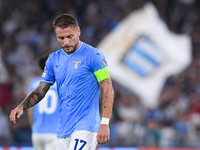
point(76, 63)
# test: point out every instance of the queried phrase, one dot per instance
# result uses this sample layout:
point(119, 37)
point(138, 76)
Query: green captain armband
point(102, 74)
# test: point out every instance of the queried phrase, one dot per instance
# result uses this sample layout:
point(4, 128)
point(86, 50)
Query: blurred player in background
point(44, 116)
point(80, 71)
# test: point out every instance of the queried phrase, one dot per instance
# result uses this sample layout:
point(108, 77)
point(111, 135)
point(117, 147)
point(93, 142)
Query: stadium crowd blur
point(26, 34)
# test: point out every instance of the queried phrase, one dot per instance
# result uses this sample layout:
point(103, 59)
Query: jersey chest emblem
point(76, 63)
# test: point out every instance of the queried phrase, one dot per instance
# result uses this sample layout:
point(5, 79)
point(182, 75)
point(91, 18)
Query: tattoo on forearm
point(104, 103)
point(46, 88)
point(33, 99)
point(105, 100)
point(101, 82)
point(108, 94)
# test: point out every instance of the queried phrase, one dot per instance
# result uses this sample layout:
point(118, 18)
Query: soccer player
point(44, 116)
point(80, 71)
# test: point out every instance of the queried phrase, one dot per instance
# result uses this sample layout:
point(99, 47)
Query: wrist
point(105, 121)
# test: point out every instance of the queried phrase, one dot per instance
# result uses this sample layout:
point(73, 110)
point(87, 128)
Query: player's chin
point(69, 50)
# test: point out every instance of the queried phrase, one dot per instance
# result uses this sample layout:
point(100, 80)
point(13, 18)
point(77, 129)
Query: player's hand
point(17, 112)
point(103, 135)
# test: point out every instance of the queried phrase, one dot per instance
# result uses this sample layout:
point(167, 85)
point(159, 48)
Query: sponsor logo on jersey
point(57, 66)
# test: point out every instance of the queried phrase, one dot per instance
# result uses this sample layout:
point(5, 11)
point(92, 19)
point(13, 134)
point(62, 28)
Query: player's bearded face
point(68, 38)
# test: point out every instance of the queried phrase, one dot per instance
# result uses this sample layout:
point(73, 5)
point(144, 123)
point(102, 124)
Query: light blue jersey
point(78, 87)
point(45, 113)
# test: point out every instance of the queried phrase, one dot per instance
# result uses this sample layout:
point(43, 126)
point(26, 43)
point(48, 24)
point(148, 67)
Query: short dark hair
point(64, 21)
point(42, 61)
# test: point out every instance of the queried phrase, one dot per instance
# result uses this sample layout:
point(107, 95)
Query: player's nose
point(66, 42)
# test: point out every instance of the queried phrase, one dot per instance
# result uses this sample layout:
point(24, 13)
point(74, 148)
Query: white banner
point(141, 53)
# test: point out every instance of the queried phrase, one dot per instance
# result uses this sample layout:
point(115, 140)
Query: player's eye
point(70, 36)
point(61, 38)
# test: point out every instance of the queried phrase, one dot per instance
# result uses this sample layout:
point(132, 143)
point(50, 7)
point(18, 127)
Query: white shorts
point(44, 141)
point(79, 140)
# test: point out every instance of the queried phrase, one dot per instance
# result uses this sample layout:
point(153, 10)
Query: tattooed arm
point(33, 98)
point(107, 104)
point(108, 96)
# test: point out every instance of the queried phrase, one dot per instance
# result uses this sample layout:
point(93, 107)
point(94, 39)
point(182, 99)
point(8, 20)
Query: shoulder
point(54, 56)
point(56, 53)
point(90, 50)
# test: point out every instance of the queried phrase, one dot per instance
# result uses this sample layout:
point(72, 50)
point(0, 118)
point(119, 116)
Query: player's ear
point(79, 31)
